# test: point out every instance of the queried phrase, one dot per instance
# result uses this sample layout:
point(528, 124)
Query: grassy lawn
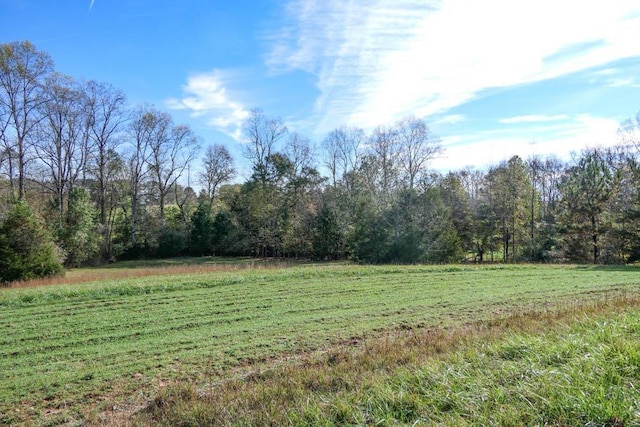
point(574, 367)
point(70, 351)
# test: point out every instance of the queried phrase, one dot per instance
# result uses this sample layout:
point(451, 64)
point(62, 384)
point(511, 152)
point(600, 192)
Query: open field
point(574, 367)
point(71, 352)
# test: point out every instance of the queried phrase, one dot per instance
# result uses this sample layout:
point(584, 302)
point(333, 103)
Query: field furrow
point(60, 344)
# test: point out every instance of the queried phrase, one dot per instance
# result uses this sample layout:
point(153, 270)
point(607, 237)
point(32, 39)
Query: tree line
point(97, 179)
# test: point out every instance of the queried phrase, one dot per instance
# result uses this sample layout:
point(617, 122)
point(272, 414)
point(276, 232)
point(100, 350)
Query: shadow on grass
point(631, 268)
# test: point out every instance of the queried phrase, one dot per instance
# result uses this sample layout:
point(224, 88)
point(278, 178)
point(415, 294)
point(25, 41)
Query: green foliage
point(441, 241)
point(458, 203)
point(380, 205)
point(327, 236)
point(263, 214)
point(172, 242)
point(416, 227)
point(173, 235)
point(147, 234)
point(27, 250)
point(79, 237)
point(504, 215)
point(587, 190)
point(212, 235)
point(370, 238)
point(625, 212)
point(201, 230)
point(224, 235)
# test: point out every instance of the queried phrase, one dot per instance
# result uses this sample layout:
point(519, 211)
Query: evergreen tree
point(225, 235)
point(27, 250)
point(586, 192)
point(458, 202)
point(173, 234)
point(202, 230)
point(79, 236)
point(328, 237)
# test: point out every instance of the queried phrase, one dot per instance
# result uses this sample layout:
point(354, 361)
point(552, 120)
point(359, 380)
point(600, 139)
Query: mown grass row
point(67, 349)
point(578, 367)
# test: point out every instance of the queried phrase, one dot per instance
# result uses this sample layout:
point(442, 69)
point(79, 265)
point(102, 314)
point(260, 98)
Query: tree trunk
point(21, 154)
point(594, 238)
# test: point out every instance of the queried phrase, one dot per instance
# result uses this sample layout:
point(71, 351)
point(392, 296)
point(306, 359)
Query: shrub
point(27, 250)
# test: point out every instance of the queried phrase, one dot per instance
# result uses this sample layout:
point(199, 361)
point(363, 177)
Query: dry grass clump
point(132, 270)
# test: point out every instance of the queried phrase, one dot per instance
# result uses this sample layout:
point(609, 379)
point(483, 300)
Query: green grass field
point(573, 367)
point(70, 352)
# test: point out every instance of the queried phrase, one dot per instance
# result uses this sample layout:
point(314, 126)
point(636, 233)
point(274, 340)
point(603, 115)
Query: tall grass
point(152, 268)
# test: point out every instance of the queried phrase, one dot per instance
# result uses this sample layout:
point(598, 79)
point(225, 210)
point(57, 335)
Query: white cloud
point(205, 95)
point(377, 61)
point(613, 77)
point(622, 82)
point(533, 118)
point(606, 72)
point(482, 149)
point(451, 119)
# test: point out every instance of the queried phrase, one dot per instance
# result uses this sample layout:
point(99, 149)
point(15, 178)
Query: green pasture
point(64, 349)
point(577, 367)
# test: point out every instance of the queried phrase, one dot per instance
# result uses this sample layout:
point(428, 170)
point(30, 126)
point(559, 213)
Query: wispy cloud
point(205, 95)
point(376, 61)
point(622, 82)
point(91, 4)
point(561, 138)
point(614, 77)
point(533, 118)
point(451, 119)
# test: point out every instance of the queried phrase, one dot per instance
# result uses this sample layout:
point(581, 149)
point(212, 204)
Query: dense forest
point(87, 178)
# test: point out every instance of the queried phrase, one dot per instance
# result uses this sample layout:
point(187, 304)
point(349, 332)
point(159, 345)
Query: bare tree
point(6, 151)
point(171, 154)
point(551, 177)
point(218, 168)
point(331, 155)
point(145, 125)
point(106, 116)
point(22, 72)
point(261, 135)
point(62, 146)
point(299, 151)
point(343, 153)
point(418, 147)
point(629, 132)
point(386, 150)
point(115, 195)
point(472, 180)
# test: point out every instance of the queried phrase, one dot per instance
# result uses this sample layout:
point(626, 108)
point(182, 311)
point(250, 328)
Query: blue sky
point(492, 78)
